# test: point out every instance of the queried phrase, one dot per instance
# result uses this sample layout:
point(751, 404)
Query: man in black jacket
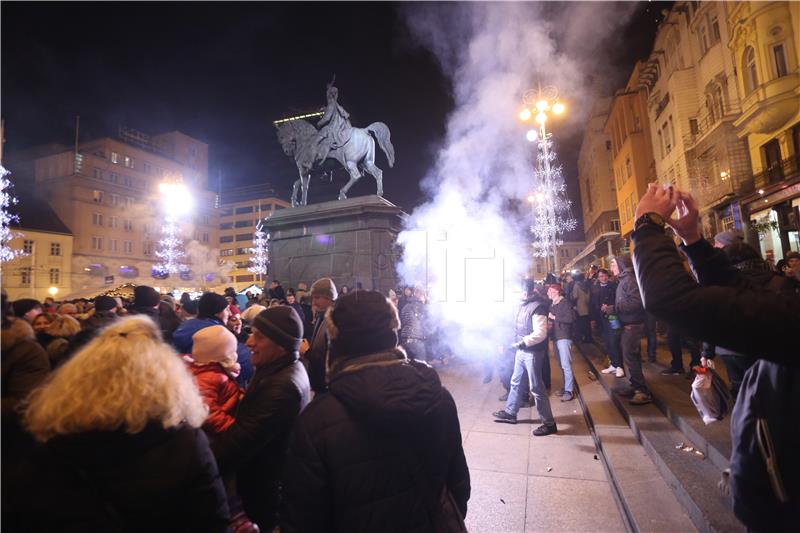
point(729, 310)
point(375, 452)
point(629, 309)
point(602, 297)
point(255, 445)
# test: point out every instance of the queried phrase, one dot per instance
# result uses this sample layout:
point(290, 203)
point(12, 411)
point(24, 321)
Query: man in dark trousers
point(255, 446)
point(323, 294)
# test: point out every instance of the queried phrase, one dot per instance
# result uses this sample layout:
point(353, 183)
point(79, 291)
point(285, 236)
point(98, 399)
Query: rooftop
point(37, 215)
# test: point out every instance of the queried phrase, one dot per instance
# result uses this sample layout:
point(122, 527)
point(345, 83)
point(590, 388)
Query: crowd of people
point(306, 408)
point(229, 412)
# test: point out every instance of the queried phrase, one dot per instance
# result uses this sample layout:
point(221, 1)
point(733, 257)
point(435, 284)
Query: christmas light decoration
point(7, 199)
point(259, 261)
point(169, 247)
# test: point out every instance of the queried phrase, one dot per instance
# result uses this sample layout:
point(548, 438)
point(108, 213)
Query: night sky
point(223, 72)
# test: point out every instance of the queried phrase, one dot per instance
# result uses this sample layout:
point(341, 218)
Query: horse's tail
point(381, 132)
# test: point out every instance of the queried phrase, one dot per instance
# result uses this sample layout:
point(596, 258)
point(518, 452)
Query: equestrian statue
point(336, 138)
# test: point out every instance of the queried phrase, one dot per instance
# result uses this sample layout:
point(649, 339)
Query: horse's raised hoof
point(342, 196)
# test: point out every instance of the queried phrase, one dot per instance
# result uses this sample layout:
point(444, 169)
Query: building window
point(749, 70)
point(128, 202)
point(113, 222)
point(608, 146)
point(243, 223)
point(55, 248)
point(246, 209)
point(242, 251)
point(126, 181)
point(115, 158)
point(244, 237)
point(127, 161)
point(128, 224)
point(97, 243)
point(98, 174)
point(226, 253)
point(246, 277)
point(128, 247)
point(628, 168)
point(693, 126)
point(26, 273)
point(205, 236)
point(714, 23)
point(112, 245)
point(115, 200)
point(615, 225)
point(703, 38)
point(779, 52)
point(27, 246)
point(147, 248)
point(97, 196)
point(226, 225)
point(661, 144)
point(97, 219)
point(113, 177)
point(147, 168)
point(226, 238)
point(226, 212)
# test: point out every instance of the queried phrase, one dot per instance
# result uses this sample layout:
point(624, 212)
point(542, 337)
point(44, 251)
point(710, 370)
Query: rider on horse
point(335, 124)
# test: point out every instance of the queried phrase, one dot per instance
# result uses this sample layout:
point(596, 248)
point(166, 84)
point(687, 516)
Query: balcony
point(770, 106)
point(708, 122)
point(785, 170)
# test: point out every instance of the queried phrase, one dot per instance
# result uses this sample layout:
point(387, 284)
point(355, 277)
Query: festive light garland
point(170, 247)
point(259, 261)
point(7, 199)
point(551, 207)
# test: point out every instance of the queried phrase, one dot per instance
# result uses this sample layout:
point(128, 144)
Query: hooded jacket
point(628, 301)
point(24, 363)
point(359, 453)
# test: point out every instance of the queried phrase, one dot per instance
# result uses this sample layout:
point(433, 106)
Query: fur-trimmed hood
point(18, 331)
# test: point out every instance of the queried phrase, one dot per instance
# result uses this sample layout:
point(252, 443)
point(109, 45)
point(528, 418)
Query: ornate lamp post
point(551, 217)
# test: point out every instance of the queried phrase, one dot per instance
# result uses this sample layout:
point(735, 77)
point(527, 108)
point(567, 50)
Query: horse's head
point(286, 137)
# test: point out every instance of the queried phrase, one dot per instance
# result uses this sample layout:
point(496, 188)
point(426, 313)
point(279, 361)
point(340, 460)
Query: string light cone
point(7, 199)
point(259, 260)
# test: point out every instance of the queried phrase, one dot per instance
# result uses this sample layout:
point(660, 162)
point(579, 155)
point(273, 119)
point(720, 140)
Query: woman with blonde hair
point(56, 338)
point(120, 444)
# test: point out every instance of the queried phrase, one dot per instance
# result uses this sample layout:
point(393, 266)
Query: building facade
point(45, 266)
point(764, 43)
point(237, 225)
point(566, 252)
point(107, 192)
point(628, 127)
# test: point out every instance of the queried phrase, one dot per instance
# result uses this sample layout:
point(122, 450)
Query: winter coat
point(254, 447)
point(565, 317)
point(628, 304)
point(361, 453)
point(299, 308)
point(601, 295)
point(581, 296)
point(25, 364)
point(155, 480)
point(220, 393)
point(58, 349)
point(315, 359)
point(182, 341)
point(728, 311)
point(412, 321)
point(167, 325)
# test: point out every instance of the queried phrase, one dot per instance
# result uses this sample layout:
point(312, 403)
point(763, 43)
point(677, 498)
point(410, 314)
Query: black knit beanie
point(361, 323)
point(145, 296)
point(281, 324)
point(104, 303)
point(24, 305)
point(211, 304)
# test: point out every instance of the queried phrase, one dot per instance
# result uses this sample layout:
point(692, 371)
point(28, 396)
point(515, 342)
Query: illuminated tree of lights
point(259, 261)
point(7, 199)
point(170, 247)
point(551, 207)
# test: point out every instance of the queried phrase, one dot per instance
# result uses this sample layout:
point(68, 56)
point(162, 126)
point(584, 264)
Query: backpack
point(765, 435)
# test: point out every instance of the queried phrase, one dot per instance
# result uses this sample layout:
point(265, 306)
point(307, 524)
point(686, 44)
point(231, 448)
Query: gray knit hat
point(282, 324)
point(324, 287)
point(728, 237)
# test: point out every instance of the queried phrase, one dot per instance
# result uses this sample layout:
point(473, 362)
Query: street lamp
point(53, 291)
point(540, 103)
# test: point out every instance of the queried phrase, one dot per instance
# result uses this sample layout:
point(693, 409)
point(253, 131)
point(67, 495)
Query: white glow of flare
point(175, 197)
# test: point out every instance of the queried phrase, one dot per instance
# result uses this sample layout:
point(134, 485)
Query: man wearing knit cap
point(355, 461)
point(255, 446)
point(323, 294)
point(145, 302)
point(27, 309)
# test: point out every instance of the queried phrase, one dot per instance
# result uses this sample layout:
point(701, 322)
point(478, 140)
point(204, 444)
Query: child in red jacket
point(213, 363)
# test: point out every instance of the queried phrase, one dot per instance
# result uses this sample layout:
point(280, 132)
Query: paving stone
point(497, 452)
point(568, 457)
point(497, 503)
point(559, 504)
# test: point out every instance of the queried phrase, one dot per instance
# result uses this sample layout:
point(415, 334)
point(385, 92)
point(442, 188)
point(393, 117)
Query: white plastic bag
point(707, 398)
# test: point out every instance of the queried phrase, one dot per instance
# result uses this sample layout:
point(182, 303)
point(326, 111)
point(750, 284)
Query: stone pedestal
point(351, 241)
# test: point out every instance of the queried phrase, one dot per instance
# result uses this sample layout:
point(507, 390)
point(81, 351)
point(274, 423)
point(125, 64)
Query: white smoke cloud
point(469, 242)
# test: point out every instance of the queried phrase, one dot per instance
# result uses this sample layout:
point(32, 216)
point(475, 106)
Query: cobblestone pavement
point(522, 483)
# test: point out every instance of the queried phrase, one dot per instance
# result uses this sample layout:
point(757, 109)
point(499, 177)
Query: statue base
point(351, 241)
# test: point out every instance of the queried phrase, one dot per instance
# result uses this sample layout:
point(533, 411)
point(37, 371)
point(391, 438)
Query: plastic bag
point(710, 395)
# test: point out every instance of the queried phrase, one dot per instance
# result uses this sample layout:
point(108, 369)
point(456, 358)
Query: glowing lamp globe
point(52, 291)
point(541, 105)
point(525, 114)
point(541, 118)
point(558, 108)
point(532, 136)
